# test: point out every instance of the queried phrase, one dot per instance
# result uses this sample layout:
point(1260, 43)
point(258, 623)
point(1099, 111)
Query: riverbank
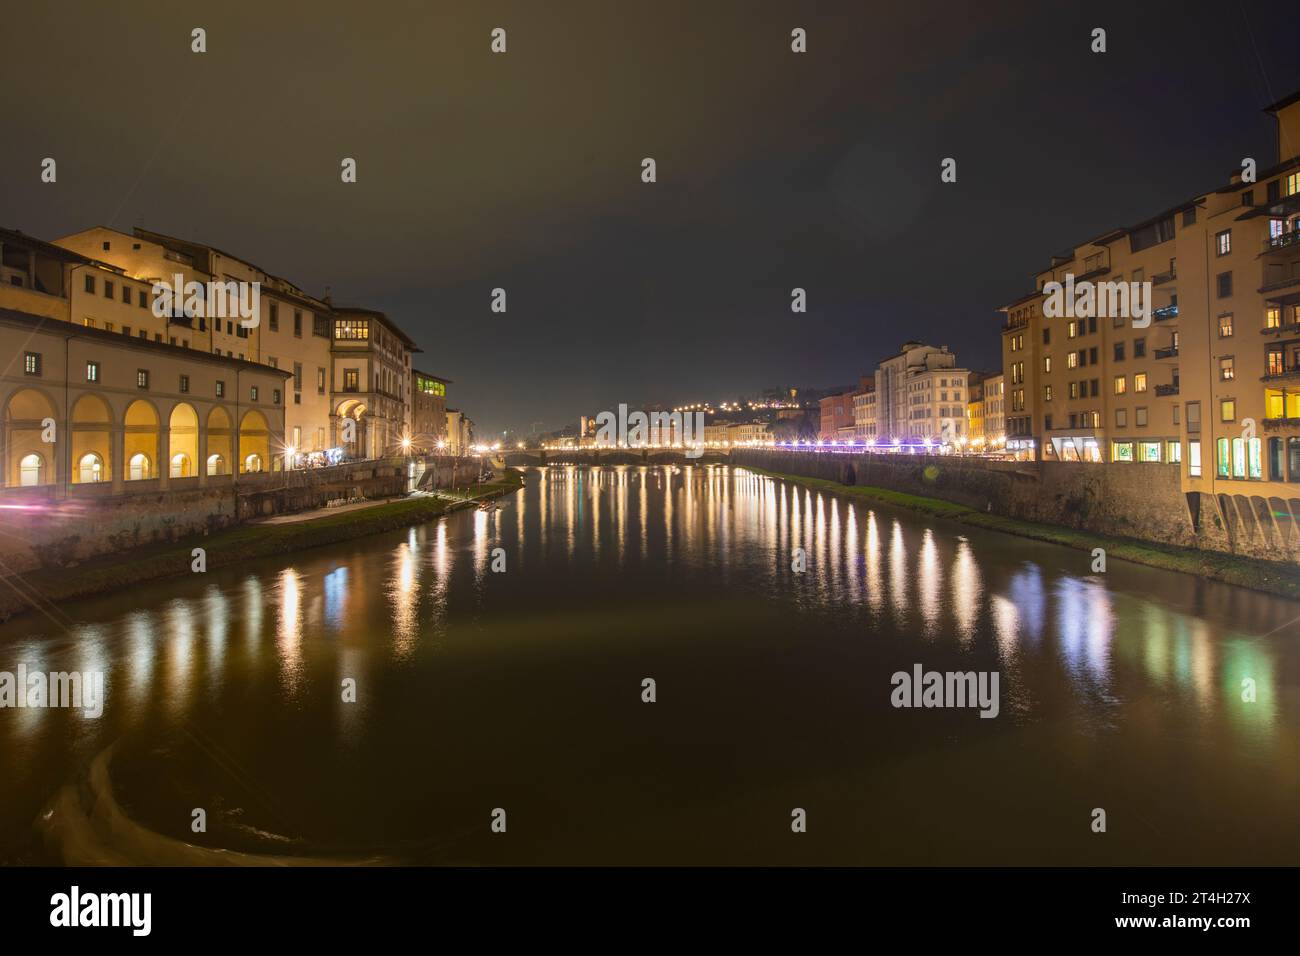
point(24, 593)
point(1266, 576)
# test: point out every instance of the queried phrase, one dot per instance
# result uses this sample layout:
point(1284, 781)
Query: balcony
point(1280, 424)
point(1285, 374)
point(1164, 391)
point(1167, 352)
point(1286, 328)
point(1286, 282)
point(1164, 277)
point(1168, 312)
point(1286, 240)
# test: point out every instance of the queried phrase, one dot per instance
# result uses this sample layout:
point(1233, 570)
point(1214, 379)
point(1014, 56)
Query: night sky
point(522, 170)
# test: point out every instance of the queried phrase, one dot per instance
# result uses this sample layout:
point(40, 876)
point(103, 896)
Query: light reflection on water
point(629, 560)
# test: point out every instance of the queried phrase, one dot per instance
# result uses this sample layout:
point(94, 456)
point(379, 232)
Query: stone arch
point(91, 425)
point(25, 417)
point(140, 440)
point(221, 449)
point(183, 441)
point(356, 410)
point(254, 443)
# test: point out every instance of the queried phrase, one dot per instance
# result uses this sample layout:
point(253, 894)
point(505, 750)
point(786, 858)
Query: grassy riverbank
point(1267, 576)
point(235, 546)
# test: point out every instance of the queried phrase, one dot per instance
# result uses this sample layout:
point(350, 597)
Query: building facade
point(428, 411)
point(915, 394)
point(460, 432)
point(1203, 374)
point(836, 413)
point(85, 406)
point(994, 414)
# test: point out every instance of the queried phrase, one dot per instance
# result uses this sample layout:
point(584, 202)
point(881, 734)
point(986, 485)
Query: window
point(1074, 389)
point(1047, 393)
point(1273, 317)
point(275, 396)
point(1148, 451)
point(185, 383)
point(1095, 387)
point(1119, 351)
point(1193, 418)
point(1151, 235)
point(1248, 197)
point(1225, 325)
point(1140, 417)
point(126, 294)
point(1071, 331)
point(1139, 348)
point(275, 317)
point(90, 284)
point(1224, 284)
point(351, 380)
point(297, 324)
point(1293, 184)
point(1228, 410)
point(252, 393)
point(1223, 242)
point(1047, 336)
point(142, 300)
point(1194, 459)
point(297, 398)
point(1121, 384)
point(1121, 418)
point(1140, 382)
point(1173, 452)
point(1072, 360)
point(31, 363)
point(1121, 451)
point(1226, 371)
point(221, 389)
point(320, 380)
point(142, 378)
point(1189, 217)
point(297, 376)
point(352, 329)
point(108, 289)
point(92, 371)
point(1047, 363)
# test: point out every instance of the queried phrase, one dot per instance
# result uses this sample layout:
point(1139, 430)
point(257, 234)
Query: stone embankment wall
point(58, 526)
point(1140, 500)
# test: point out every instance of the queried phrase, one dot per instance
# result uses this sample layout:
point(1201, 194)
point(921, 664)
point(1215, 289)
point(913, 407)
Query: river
point(1169, 703)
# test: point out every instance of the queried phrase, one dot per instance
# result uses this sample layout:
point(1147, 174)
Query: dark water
point(522, 690)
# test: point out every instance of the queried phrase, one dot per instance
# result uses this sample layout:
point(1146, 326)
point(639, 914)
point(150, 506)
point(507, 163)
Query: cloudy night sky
point(522, 170)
